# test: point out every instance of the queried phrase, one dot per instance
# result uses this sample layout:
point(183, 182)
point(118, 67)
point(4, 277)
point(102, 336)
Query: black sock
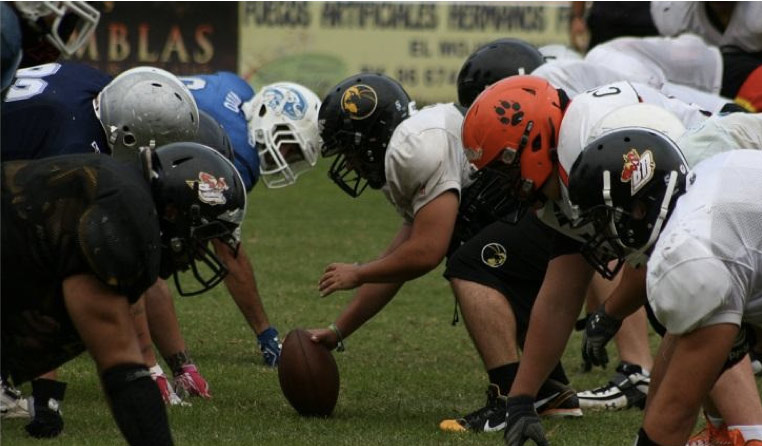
point(503, 376)
point(559, 374)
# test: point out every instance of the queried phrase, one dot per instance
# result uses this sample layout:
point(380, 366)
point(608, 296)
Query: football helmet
point(59, 21)
point(212, 134)
point(282, 119)
point(626, 183)
point(145, 107)
point(513, 126)
point(492, 62)
point(11, 45)
point(199, 197)
point(356, 121)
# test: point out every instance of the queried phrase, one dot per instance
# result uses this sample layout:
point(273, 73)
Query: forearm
point(407, 262)
point(368, 301)
point(629, 295)
point(242, 286)
point(549, 329)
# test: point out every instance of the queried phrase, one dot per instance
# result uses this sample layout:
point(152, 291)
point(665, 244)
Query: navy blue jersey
point(63, 216)
point(48, 111)
point(222, 95)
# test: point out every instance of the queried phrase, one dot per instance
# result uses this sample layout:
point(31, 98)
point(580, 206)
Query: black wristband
point(137, 405)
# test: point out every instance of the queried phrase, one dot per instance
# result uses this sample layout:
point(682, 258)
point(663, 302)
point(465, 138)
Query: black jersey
point(62, 216)
point(48, 111)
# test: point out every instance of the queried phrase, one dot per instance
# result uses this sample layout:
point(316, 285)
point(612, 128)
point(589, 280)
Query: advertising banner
point(422, 45)
point(182, 37)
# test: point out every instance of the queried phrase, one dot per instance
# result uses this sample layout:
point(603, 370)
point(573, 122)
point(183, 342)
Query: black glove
point(522, 422)
point(599, 330)
point(47, 395)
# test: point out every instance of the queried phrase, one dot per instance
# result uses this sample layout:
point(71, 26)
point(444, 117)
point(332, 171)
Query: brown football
point(308, 375)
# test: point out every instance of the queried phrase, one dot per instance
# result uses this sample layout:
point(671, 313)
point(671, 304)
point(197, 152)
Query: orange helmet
point(514, 114)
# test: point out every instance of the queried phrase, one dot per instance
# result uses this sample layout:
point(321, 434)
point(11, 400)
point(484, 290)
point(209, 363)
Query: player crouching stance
point(703, 278)
point(83, 236)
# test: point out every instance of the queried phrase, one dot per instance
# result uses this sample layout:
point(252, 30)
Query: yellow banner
point(422, 45)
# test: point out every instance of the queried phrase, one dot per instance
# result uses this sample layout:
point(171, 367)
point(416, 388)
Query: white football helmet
point(640, 115)
point(76, 18)
point(282, 121)
point(145, 107)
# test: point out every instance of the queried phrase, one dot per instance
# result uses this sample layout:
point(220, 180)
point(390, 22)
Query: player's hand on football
point(324, 336)
point(522, 422)
point(599, 330)
point(339, 276)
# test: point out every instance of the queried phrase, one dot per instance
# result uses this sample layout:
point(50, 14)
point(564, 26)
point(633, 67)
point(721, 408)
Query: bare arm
point(557, 307)
point(242, 286)
point(368, 301)
point(629, 295)
point(419, 253)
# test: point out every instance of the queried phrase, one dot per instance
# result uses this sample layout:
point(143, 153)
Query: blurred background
point(317, 44)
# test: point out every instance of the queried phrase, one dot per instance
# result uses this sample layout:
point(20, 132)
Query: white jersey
point(684, 60)
point(721, 133)
point(425, 158)
point(579, 122)
point(744, 29)
point(706, 267)
point(578, 76)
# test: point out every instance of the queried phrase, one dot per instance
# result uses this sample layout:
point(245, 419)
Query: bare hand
point(339, 276)
point(323, 336)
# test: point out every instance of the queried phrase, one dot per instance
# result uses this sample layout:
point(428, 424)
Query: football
point(308, 375)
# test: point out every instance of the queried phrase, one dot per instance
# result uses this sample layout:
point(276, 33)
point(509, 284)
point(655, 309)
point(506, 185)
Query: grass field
point(403, 372)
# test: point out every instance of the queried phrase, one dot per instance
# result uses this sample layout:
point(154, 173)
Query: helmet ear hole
point(262, 110)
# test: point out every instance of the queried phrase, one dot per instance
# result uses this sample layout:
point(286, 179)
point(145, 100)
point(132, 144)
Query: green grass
point(401, 374)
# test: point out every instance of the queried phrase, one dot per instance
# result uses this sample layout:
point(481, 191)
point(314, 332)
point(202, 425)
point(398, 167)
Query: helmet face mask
point(625, 184)
point(282, 120)
point(356, 120)
point(59, 21)
point(200, 198)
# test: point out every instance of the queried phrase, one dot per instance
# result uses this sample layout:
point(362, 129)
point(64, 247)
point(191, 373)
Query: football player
point(554, 131)
point(78, 109)
point(627, 184)
point(368, 125)
point(84, 236)
point(273, 135)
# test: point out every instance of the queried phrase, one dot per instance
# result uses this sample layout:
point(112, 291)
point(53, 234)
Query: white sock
point(714, 421)
point(156, 370)
point(753, 432)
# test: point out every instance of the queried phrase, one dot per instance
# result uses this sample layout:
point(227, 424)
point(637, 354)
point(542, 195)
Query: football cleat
point(270, 346)
point(191, 383)
point(12, 404)
point(562, 401)
point(165, 388)
point(716, 436)
point(490, 418)
point(628, 388)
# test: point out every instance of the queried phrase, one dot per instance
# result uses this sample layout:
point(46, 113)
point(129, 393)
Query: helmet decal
point(494, 255)
point(638, 169)
point(210, 189)
point(287, 101)
point(359, 101)
point(504, 108)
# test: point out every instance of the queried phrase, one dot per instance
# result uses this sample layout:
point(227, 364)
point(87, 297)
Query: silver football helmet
point(145, 107)
point(283, 121)
point(72, 22)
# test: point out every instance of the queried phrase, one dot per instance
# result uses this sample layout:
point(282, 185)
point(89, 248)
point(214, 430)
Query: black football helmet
point(492, 62)
point(212, 134)
point(199, 197)
point(626, 183)
point(356, 121)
